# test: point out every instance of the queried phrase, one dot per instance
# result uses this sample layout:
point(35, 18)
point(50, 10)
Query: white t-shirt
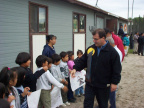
point(45, 81)
point(119, 52)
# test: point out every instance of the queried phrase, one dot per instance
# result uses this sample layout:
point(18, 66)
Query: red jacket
point(119, 44)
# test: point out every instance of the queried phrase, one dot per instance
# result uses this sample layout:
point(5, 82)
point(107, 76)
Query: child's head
point(2, 91)
point(4, 103)
point(71, 55)
point(41, 61)
point(49, 62)
point(56, 59)
point(21, 76)
point(51, 39)
point(8, 78)
point(64, 56)
point(23, 59)
point(79, 53)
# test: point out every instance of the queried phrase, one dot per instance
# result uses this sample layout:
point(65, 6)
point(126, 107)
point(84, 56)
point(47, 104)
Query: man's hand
point(113, 87)
point(45, 68)
point(73, 73)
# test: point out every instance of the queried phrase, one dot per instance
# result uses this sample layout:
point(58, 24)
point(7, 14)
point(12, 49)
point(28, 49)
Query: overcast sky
point(120, 7)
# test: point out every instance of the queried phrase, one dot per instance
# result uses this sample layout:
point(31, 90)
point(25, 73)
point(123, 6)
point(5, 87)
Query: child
point(9, 79)
point(49, 49)
point(65, 71)
point(49, 60)
point(70, 66)
point(19, 86)
point(23, 59)
point(126, 43)
point(44, 83)
point(80, 90)
point(2, 91)
point(55, 70)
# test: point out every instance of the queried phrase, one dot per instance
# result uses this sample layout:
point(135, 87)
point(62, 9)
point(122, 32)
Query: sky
point(120, 7)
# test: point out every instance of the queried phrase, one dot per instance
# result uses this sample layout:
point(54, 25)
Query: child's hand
point(45, 68)
point(65, 89)
point(52, 87)
point(29, 93)
point(26, 91)
point(12, 106)
point(70, 70)
point(66, 83)
point(11, 98)
point(63, 81)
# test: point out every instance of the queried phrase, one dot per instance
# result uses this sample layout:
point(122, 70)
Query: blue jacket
point(126, 41)
point(48, 51)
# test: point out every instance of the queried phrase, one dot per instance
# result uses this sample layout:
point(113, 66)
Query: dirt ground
point(131, 88)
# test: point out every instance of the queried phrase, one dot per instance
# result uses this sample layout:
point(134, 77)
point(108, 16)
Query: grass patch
point(130, 51)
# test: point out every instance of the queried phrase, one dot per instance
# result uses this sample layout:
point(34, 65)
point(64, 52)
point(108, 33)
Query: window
point(38, 19)
point(79, 23)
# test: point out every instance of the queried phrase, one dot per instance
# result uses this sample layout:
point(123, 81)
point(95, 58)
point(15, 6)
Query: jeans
point(79, 91)
point(113, 99)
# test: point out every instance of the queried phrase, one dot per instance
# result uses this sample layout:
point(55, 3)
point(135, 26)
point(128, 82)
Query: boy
point(49, 49)
point(55, 70)
point(44, 83)
point(80, 90)
point(65, 71)
point(126, 43)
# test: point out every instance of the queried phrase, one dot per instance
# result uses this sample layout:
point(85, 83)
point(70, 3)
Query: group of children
point(17, 83)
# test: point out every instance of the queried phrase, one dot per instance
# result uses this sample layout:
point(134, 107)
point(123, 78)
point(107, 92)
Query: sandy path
point(131, 87)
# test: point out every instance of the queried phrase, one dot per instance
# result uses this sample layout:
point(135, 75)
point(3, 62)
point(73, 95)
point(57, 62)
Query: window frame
point(79, 14)
point(39, 6)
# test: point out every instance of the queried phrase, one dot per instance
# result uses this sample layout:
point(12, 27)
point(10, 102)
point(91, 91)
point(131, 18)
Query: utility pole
point(96, 3)
point(132, 16)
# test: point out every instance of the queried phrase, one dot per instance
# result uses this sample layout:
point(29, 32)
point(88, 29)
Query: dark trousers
point(140, 49)
point(102, 96)
point(113, 99)
point(70, 92)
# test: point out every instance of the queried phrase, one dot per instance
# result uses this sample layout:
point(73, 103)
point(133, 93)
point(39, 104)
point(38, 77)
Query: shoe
point(78, 95)
point(67, 103)
point(63, 105)
point(71, 100)
point(74, 98)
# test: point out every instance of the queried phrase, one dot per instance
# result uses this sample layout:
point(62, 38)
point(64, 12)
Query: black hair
point(20, 73)
point(56, 58)
point(50, 37)
point(22, 57)
point(4, 103)
point(63, 54)
point(6, 75)
point(107, 30)
point(49, 60)
point(40, 60)
point(2, 90)
point(101, 33)
point(70, 54)
point(79, 52)
point(136, 32)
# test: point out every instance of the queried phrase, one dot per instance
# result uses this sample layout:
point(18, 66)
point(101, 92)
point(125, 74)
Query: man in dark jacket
point(103, 70)
point(140, 44)
point(121, 32)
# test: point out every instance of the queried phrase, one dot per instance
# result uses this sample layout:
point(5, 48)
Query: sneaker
point(67, 103)
point(63, 105)
point(78, 95)
point(71, 100)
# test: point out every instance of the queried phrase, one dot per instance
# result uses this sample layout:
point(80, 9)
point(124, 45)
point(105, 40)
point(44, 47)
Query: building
point(24, 24)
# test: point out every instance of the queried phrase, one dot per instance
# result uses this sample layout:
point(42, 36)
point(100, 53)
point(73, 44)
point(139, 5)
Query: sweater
point(64, 69)
point(30, 78)
point(55, 70)
point(45, 81)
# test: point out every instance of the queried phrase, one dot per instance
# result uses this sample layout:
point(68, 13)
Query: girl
point(23, 59)
point(2, 91)
point(70, 66)
point(21, 76)
point(9, 79)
